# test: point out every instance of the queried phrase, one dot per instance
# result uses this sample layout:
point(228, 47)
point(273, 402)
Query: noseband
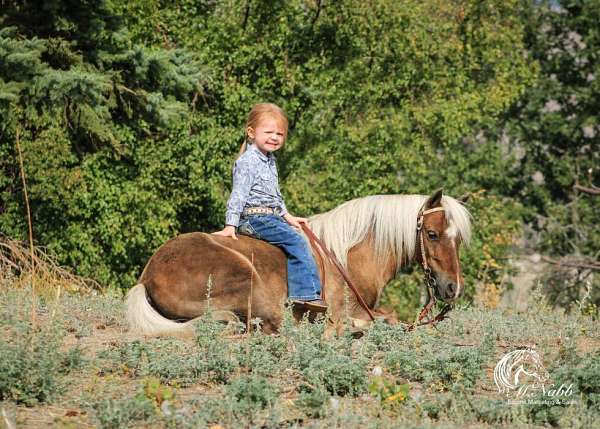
point(430, 280)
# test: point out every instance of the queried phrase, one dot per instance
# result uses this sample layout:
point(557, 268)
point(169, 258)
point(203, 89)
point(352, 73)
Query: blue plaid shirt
point(255, 184)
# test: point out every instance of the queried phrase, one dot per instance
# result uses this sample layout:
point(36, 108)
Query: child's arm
point(296, 222)
point(243, 179)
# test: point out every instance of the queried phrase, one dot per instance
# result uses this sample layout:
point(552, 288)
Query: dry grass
point(17, 265)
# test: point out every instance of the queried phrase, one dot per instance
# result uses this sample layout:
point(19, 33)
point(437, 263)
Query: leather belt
point(259, 210)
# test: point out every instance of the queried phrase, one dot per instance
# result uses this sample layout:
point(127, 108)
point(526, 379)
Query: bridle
point(430, 280)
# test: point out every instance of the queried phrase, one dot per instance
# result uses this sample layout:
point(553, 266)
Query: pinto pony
point(373, 237)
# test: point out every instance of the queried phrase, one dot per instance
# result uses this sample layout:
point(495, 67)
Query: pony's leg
point(270, 313)
point(271, 326)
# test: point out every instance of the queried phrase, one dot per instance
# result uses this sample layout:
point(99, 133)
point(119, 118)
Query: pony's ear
point(464, 198)
point(435, 199)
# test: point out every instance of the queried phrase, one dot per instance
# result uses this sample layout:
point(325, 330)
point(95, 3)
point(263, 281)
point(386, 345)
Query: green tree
point(554, 135)
point(131, 114)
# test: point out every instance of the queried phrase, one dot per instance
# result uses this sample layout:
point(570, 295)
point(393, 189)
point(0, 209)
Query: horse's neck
point(369, 274)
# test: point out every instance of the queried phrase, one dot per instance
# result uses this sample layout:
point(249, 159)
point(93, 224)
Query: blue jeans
point(303, 279)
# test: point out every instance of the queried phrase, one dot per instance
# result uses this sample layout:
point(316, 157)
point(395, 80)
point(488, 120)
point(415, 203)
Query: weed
point(126, 358)
point(584, 379)
point(119, 413)
point(338, 374)
point(32, 363)
point(439, 366)
point(425, 378)
point(388, 391)
point(313, 401)
point(251, 394)
point(263, 354)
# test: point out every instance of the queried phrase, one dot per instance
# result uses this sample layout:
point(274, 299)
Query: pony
point(373, 237)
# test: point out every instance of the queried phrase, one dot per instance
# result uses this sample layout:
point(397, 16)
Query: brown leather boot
point(316, 305)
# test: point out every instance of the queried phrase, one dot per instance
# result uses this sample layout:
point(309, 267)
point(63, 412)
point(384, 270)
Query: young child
point(256, 207)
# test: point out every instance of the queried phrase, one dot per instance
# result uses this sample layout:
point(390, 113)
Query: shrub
point(251, 394)
point(263, 354)
point(585, 377)
point(313, 401)
point(338, 374)
point(119, 413)
point(443, 366)
point(32, 363)
point(212, 358)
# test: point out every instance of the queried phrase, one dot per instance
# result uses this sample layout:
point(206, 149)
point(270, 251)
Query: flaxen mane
point(392, 221)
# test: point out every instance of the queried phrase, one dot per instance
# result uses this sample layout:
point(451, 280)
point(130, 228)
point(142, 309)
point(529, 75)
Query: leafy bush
point(263, 354)
point(33, 363)
point(251, 394)
point(119, 413)
point(445, 368)
point(172, 361)
point(313, 401)
point(338, 374)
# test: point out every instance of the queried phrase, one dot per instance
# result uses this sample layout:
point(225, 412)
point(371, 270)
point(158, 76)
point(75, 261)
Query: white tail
point(144, 319)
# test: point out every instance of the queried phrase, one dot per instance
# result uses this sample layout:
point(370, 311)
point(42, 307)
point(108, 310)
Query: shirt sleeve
point(282, 209)
point(281, 204)
point(243, 179)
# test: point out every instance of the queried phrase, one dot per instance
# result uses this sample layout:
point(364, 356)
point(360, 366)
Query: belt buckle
point(259, 210)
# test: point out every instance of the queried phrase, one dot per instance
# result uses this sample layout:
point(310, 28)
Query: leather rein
point(316, 243)
point(430, 281)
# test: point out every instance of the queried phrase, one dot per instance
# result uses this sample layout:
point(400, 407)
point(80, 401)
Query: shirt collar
point(262, 156)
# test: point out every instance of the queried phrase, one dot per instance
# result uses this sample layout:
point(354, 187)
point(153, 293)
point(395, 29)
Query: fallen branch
point(574, 263)
point(16, 261)
point(592, 191)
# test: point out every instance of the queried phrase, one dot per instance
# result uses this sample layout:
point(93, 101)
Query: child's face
point(269, 134)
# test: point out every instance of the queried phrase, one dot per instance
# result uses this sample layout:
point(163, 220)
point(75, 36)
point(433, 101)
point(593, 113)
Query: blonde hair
point(258, 112)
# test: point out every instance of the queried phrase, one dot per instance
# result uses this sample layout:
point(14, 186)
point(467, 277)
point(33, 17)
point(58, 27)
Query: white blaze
point(452, 233)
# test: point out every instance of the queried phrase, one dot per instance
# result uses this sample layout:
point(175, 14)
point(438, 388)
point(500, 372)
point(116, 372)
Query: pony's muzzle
point(449, 290)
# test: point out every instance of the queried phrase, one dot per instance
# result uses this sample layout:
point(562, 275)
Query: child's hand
point(228, 231)
point(294, 221)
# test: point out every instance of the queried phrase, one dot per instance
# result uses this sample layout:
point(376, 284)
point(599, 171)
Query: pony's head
point(438, 243)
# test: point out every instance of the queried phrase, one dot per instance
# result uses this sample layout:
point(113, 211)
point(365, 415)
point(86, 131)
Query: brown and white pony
point(373, 237)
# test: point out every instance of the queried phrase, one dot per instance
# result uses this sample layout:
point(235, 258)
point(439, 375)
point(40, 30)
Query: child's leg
point(303, 278)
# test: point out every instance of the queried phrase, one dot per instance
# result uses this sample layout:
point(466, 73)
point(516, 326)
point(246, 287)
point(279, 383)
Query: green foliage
point(439, 369)
point(264, 354)
point(122, 412)
point(388, 391)
point(584, 373)
point(313, 402)
point(157, 392)
point(130, 114)
point(32, 364)
point(80, 99)
point(338, 374)
point(328, 366)
point(167, 360)
point(552, 131)
point(280, 381)
point(251, 394)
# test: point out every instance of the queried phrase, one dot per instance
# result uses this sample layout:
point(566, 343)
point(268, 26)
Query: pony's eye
point(432, 235)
